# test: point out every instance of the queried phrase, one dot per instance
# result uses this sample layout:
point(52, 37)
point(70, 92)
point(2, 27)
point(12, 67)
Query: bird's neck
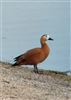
point(45, 47)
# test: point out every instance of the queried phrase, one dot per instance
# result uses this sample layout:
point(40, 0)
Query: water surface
point(24, 23)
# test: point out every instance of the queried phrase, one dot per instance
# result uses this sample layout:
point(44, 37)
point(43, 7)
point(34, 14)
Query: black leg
point(35, 69)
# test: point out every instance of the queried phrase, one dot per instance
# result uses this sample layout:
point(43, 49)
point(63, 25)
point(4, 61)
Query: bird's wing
point(28, 54)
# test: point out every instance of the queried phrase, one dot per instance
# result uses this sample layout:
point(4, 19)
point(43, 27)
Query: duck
point(36, 55)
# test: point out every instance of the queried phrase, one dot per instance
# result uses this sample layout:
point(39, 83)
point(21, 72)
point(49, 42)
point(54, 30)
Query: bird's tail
point(15, 64)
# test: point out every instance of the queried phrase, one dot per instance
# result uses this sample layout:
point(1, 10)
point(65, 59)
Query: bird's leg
point(35, 69)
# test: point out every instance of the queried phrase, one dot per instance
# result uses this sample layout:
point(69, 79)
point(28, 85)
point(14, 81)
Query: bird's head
point(44, 38)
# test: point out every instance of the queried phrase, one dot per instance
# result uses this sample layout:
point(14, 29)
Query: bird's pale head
point(45, 37)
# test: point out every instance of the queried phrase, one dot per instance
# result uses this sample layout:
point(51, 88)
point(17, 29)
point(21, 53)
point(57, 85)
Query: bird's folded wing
point(28, 54)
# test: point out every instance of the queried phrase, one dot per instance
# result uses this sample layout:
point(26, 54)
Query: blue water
point(24, 22)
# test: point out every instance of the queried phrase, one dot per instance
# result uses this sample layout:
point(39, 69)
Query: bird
point(36, 55)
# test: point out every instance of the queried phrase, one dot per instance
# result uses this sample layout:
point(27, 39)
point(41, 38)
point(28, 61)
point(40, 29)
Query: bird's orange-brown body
point(34, 56)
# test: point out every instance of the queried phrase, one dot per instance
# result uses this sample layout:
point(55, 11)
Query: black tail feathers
point(15, 64)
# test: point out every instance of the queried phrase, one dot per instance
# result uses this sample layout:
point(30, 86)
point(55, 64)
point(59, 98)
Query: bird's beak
point(50, 39)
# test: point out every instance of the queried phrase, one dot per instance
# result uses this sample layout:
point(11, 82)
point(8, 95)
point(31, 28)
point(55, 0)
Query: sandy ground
point(21, 83)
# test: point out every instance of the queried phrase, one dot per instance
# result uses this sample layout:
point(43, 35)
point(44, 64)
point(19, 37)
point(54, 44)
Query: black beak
point(50, 39)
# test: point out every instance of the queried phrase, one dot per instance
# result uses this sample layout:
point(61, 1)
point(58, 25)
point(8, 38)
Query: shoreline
point(21, 83)
point(41, 70)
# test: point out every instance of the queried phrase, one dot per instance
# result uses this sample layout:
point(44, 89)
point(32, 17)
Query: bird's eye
point(46, 35)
